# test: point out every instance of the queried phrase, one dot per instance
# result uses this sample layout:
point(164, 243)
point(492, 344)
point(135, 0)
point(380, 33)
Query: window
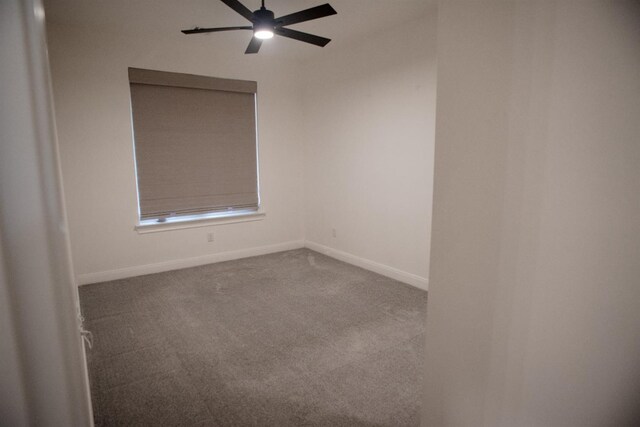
point(195, 145)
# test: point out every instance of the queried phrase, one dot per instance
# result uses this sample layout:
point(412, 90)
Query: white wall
point(89, 67)
point(535, 272)
point(355, 123)
point(369, 112)
point(43, 376)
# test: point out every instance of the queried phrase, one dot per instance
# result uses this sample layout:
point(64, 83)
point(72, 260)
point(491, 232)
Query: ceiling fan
point(265, 25)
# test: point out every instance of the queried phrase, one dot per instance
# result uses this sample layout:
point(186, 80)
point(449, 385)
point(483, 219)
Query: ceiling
point(355, 19)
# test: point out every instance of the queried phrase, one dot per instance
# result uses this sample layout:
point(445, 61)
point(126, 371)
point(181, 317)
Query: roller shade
point(195, 143)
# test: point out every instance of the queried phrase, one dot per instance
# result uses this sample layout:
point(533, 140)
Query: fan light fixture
point(263, 33)
point(265, 25)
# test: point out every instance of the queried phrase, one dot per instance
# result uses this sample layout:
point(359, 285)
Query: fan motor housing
point(264, 17)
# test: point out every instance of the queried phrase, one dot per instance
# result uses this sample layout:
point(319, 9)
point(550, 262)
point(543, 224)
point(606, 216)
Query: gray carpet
point(287, 339)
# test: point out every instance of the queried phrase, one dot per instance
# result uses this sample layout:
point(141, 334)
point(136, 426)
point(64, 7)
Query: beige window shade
point(195, 143)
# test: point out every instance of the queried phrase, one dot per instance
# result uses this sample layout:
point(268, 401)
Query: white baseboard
point(385, 270)
point(139, 270)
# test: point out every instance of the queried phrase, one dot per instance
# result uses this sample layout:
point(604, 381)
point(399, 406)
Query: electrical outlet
point(333, 232)
point(210, 237)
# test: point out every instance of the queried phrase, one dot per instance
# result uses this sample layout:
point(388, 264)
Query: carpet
point(287, 339)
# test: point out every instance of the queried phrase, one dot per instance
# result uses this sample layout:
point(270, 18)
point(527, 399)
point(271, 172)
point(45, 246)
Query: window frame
point(176, 222)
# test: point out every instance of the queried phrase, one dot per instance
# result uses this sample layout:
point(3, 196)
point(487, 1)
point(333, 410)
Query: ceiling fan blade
point(215, 30)
point(240, 8)
point(254, 45)
point(303, 37)
point(307, 15)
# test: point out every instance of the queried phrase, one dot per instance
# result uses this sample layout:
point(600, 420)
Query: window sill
point(200, 221)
